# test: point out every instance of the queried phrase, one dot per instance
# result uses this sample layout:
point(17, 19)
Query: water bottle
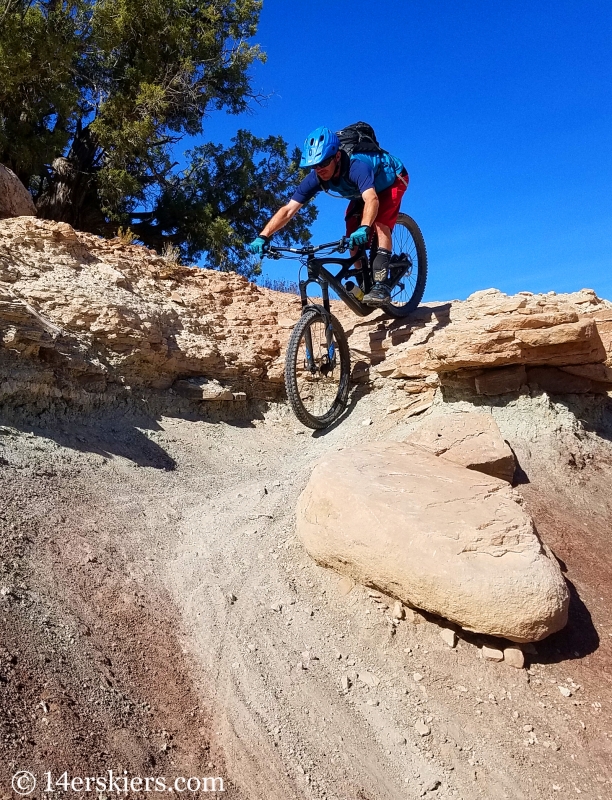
point(354, 289)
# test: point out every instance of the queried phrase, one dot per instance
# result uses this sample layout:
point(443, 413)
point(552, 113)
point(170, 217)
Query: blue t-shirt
point(358, 173)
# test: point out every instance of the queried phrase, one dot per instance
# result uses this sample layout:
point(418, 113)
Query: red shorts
point(389, 201)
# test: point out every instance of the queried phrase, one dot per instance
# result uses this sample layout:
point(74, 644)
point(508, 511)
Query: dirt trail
point(161, 615)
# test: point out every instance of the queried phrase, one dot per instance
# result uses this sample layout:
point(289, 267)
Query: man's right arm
point(305, 192)
point(281, 218)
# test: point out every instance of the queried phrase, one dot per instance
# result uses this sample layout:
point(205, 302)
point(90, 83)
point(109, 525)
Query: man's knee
point(384, 229)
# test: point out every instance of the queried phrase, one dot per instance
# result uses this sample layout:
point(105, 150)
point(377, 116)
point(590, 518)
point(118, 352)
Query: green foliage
point(39, 50)
point(225, 198)
point(96, 94)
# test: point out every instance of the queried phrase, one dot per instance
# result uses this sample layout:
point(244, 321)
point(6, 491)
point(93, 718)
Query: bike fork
point(329, 331)
point(329, 343)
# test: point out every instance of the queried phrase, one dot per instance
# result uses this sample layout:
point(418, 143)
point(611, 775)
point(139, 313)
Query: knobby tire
point(407, 238)
point(339, 402)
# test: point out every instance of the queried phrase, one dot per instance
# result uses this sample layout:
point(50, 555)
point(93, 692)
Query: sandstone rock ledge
point(435, 535)
point(86, 321)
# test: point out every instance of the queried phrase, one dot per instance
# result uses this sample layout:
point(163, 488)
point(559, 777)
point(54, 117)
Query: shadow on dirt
point(105, 437)
point(593, 411)
point(356, 395)
point(578, 639)
point(124, 433)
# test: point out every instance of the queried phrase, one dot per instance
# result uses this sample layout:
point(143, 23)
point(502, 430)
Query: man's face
point(326, 173)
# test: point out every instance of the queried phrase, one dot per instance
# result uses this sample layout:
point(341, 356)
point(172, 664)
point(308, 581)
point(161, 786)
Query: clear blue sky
point(502, 113)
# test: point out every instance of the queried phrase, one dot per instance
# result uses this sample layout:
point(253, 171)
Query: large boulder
point(470, 439)
point(435, 535)
point(15, 200)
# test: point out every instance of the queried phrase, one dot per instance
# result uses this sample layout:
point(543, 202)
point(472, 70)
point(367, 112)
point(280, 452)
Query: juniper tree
point(95, 97)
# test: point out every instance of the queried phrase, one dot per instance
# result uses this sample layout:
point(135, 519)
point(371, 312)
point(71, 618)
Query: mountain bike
point(317, 364)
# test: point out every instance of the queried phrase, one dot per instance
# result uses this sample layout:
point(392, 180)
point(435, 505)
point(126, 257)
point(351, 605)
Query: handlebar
point(340, 246)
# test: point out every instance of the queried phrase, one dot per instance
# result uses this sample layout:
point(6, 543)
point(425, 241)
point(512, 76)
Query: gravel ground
point(161, 617)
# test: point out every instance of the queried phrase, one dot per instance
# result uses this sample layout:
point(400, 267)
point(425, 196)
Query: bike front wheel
point(408, 270)
point(317, 369)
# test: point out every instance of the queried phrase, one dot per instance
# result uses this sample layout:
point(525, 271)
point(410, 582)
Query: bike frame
point(321, 276)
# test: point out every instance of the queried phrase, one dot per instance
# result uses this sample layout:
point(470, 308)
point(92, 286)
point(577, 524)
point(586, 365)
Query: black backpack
point(359, 138)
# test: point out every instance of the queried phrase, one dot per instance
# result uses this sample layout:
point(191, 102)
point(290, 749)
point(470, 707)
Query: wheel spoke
point(318, 383)
point(408, 245)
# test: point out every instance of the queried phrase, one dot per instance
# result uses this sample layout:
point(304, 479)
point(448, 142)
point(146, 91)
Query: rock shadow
point(594, 411)
point(520, 477)
point(400, 330)
point(122, 431)
point(103, 436)
point(578, 639)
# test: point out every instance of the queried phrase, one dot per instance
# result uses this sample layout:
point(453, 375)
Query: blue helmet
point(319, 145)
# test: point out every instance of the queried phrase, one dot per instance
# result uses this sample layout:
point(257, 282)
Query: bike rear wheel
point(408, 275)
point(317, 370)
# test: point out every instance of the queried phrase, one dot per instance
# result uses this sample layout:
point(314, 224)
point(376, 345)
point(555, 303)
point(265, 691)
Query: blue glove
point(359, 237)
point(260, 245)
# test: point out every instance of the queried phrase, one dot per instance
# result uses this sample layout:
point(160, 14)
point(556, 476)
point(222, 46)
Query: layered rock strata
point(83, 319)
point(494, 344)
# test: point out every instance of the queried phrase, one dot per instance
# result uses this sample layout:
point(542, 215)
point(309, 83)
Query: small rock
point(398, 610)
point(374, 594)
point(432, 786)
point(231, 598)
point(551, 745)
point(516, 714)
point(276, 607)
point(492, 653)
point(366, 422)
point(449, 636)
point(527, 728)
point(514, 657)
point(417, 676)
point(345, 586)
point(564, 691)
point(422, 728)
point(370, 680)
point(345, 683)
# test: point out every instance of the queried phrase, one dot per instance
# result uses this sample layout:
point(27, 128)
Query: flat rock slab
point(469, 439)
point(435, 535)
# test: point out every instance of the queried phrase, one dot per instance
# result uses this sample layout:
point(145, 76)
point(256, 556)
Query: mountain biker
point(375, 182)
